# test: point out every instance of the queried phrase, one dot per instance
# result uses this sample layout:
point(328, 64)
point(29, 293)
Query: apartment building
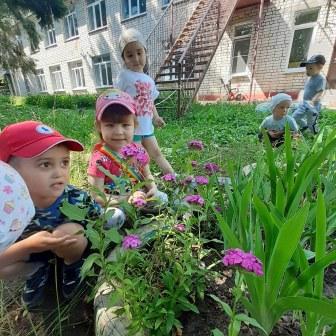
point(79, 54)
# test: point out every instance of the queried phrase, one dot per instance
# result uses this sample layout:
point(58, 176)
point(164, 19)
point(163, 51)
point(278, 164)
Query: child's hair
point(129, 36)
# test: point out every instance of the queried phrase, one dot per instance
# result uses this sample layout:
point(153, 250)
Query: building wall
point(275, 38)
point(89, 44)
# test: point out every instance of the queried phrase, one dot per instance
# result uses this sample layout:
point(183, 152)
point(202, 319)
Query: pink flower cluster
point(245, 260)
point(179, 227)
point(169, 177)
point(194, 199)
point(203, 180)
point(195, 144)
point(211, 167)
point(131, 242)
point(139, 202)
point(134, 151)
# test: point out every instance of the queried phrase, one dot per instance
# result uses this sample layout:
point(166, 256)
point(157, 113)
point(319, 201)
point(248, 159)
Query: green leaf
point(285, 245)
point(226, 308)
point(88, 263)
point(113, 235)
point(73, 211)
point(216, 332)
point(249, 321)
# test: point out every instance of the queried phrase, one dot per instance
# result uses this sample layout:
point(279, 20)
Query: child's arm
point(157, 120)
point(99, 183)
point(317, 97)
point(38, 242)
point(151, 186)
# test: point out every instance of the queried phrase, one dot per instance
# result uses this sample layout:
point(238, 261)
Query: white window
point(56, 78)
point(165, 3)
point(50, 37)
point(133, 7)
point(41, 82)
point(97, 14)
point(71, 26)
point(102, 68)
point(77, 75)
point(304, 27)
point(241, 48)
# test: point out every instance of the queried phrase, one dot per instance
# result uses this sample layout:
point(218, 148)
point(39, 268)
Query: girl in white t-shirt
point(141, 87)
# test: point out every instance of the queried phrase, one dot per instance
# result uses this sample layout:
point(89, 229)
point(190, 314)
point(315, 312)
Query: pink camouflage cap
point(114, 97)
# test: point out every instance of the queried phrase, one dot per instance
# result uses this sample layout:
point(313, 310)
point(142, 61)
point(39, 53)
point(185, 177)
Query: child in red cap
point(116, 163)
point(41, 156)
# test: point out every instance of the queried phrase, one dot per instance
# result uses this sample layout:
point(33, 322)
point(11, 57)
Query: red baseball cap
point(28, 139)
point(114, 97)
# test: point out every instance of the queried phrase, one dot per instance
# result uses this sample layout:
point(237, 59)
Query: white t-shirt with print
point(142, 88)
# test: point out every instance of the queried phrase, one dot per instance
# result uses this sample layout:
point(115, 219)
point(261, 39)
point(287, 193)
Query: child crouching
point(275, 124)
point(116, 157)
point(41, 156)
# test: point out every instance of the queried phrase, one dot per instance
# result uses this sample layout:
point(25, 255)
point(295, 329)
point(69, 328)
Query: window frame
point(53, 74)
point(76, 70)
point(41, 80)
point(300, 27)
point(53, 33)
point(100, 65)
point(93, 5)
point(130, 16)
point(236, 38)
point(67, 22)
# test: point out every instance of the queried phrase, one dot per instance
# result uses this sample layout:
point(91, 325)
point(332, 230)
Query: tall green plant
point(272, 212)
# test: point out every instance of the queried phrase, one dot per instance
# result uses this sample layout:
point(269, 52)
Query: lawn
point(283, 213)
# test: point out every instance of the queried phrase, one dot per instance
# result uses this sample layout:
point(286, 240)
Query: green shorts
point(138, 138)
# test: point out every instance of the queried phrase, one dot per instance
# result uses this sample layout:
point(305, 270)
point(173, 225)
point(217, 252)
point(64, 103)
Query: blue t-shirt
point(270, 123)
point(314, 85)
point(51, 217)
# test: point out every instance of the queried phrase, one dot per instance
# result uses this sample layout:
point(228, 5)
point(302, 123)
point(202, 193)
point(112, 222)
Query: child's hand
point(45, 241)
point(152, 192)
point(158, 122)
point(275, 134)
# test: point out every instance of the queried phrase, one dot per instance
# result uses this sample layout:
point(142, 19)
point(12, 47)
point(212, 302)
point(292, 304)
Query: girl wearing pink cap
point(141, 87)
point(117, 164)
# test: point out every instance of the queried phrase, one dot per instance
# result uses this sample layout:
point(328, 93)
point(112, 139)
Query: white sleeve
point(155, 92)
point(120, 83)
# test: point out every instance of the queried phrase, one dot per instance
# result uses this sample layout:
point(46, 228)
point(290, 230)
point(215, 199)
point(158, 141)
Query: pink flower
point(245, 260)
point(211, 167)
point(194, 163)
point(195, 144)
point(131, 242)
point(134, 151)
point(194, 199)
point(179, 227)
point(169, 177)
point(139, 202)
point(201, 180)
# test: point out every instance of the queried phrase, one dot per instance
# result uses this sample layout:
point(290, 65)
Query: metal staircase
point(184, 66)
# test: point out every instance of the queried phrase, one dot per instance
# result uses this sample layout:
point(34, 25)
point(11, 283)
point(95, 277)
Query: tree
point(18, 16)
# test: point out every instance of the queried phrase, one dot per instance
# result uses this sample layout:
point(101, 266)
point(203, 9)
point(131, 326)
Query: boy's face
point(313, 69)
point(46, 175)
point(117, 134)
point(281, 110)
point(134, 56)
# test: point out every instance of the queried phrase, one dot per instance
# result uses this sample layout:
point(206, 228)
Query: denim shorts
point(138, 138)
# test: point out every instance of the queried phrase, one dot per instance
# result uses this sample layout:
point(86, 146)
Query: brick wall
point(275, 38)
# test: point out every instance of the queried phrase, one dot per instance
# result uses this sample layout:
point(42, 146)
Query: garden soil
point(80, 321)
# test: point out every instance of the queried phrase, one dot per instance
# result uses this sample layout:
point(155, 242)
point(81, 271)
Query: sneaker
point(71, 278)
point(34, 288)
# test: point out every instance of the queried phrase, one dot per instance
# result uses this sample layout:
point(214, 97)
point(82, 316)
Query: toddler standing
point(141, 87)
point(308, 111)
